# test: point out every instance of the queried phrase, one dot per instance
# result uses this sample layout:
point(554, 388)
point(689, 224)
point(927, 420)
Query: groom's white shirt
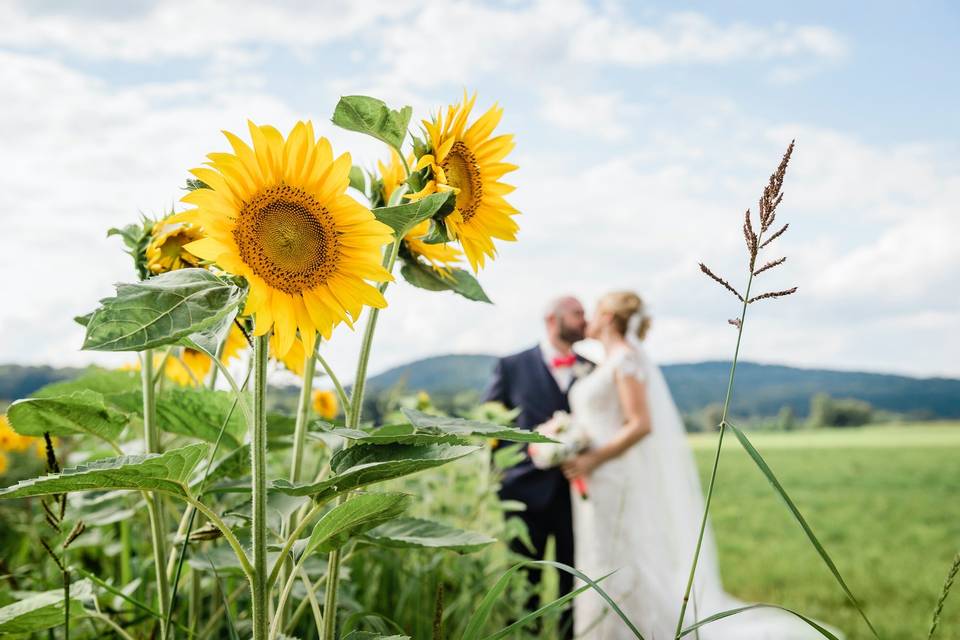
point(563, 375)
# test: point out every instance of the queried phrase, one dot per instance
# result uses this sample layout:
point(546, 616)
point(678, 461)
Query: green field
point(884, 501)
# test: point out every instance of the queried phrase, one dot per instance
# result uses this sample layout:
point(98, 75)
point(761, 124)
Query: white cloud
point(598, 115)
point(184, 29)
point(690, 37)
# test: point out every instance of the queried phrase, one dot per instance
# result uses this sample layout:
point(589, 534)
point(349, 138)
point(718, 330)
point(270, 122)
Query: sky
point(643, 130)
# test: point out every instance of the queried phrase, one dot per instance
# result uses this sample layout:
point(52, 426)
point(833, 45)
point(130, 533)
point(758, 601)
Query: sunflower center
point(288, 238)
point(463, 172)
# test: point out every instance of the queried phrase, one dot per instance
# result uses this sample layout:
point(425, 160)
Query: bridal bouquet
point(571, 440)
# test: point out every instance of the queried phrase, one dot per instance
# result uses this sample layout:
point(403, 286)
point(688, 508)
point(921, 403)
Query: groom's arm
point(498, 390)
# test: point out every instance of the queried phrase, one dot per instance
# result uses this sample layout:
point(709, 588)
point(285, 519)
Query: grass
point(885, 502)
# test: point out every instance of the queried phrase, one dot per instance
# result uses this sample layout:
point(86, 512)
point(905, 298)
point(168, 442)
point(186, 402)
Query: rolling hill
point(761, 389)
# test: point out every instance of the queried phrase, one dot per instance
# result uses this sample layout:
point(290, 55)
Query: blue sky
point(643, 132)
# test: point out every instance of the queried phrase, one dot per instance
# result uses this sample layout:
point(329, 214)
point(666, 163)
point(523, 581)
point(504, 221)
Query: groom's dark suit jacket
point(523, 381)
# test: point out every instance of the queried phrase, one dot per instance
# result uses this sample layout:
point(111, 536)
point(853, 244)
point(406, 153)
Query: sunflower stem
point(716, 460)
point(299, 443)
point(360, 379)
point(303, 413)
point(154, 504)
point(258, 484)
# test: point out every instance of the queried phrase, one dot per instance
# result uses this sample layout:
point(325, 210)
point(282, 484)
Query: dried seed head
point(751, 238)
point(735, 322)
point(772, 294)
point(770, 265)
point(52, 465)
point(772, 197)
point(75, 533)
point(206, 532)
point(720, 281)
point(52, 554)
point(776, 235)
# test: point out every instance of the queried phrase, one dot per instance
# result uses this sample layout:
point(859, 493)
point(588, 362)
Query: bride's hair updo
point(623, 305)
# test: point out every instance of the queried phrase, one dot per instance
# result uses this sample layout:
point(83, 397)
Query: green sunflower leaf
point(366, 464)
point(462, 427)
point(404, 217)
point(44, 610)
point(161, 311)
point(79, 412)
point(459, 281)
point(199, 413)
point(358, 514)
point(414, 533)
point(373, 117)
point(168, 472)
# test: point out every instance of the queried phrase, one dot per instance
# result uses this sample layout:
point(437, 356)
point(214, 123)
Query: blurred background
point(643, 131)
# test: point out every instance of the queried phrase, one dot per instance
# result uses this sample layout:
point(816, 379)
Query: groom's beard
point(571, 335)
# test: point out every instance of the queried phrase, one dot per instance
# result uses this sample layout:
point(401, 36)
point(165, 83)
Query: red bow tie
point(564, 361)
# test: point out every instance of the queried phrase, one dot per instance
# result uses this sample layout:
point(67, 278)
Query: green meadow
point(884, 501)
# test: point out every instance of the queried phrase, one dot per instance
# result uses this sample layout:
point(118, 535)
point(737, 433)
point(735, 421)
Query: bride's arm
point(633, 400)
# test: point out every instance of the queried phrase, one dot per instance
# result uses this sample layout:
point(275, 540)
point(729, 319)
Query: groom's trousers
point(555, 519)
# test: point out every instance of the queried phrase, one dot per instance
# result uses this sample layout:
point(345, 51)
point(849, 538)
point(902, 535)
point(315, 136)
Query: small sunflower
point(325, 404)
point(278, 215)
point(10, 440)
point(470, 161)
point(193, 366)
point(166, 251)
point(392, 176)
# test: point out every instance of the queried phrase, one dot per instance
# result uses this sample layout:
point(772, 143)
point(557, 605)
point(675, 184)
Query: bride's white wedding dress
point(642, 518)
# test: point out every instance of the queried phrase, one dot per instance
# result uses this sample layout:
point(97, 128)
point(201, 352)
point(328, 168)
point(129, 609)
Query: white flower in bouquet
point(571, 440)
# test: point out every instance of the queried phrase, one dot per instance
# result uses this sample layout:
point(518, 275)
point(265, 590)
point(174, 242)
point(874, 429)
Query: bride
point(645, 502)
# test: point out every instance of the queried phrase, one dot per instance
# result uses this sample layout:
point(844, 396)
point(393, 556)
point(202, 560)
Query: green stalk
point(196, 600)
point(360, 379)
point(303, 413)
point(258, 449)
point(154, 504)
point(126, 567)
point(299, 444)
point(716, 459)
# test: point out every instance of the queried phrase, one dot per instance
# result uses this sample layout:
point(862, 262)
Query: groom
point(536, 382)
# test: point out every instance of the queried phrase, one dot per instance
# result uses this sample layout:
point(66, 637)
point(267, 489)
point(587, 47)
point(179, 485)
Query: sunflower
point(193, 366)
point(166, 251)
point(4, 464)
point(469, 161)
point(10, 440)
point(278, 215)
point(325, 404)
point(392, 176)
point(440, 256)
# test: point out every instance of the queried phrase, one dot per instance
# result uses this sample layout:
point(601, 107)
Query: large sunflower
point(440, 256)
point(166, 252)
point(469, 161)
point(278, 215)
